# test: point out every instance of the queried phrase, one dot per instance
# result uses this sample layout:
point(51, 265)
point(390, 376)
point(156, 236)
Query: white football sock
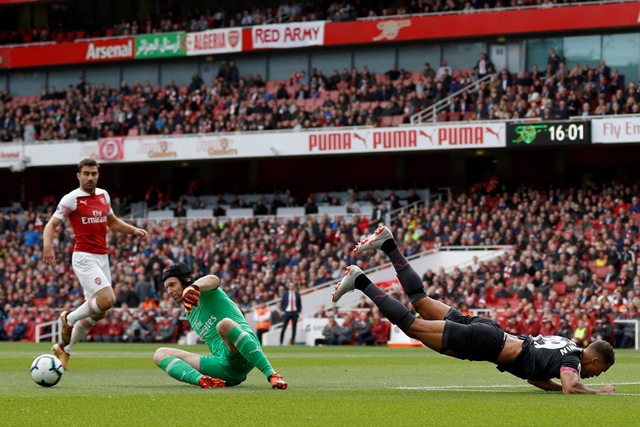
point(87, 308)
point(80, 331)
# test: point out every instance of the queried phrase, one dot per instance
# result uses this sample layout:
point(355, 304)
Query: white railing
point(53, 334)
point(431, 112)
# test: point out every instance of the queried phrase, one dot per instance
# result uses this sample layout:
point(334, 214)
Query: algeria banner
point(160, 45)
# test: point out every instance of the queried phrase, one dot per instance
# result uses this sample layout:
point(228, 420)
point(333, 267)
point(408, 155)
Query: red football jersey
point(87, 214)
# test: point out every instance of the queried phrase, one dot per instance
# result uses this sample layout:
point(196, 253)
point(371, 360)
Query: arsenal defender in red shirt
point(88, 209)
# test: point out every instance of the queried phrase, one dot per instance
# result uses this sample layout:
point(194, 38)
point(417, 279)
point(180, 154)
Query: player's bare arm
point(547, 385)
point(116, 224)
point(48, 252)
point(571, 385)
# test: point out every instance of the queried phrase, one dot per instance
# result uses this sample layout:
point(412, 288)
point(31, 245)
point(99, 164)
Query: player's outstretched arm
point(116, 224)
point(571, 385)
point(48, 252)
point(207, 283)
point(547, 385)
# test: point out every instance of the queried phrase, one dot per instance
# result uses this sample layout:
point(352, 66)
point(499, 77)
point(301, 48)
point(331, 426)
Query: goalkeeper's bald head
point(180, 271)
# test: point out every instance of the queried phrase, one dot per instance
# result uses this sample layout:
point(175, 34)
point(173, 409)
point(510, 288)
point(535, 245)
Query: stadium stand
point(574, 251)
point(89, 111)
point(557, 241)
point(60, 31)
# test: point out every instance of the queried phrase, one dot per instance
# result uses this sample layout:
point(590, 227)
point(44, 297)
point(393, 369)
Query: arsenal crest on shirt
point(103, 200)
point(97, 280)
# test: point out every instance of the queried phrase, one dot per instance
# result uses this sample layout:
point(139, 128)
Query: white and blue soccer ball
point(46, 370)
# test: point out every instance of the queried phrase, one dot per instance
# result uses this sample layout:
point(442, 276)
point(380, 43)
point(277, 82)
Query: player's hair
point(180, 271)
point(605, 351)
point(87, 162)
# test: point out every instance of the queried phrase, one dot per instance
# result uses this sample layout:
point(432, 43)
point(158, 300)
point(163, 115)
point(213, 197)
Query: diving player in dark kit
point(444, 329)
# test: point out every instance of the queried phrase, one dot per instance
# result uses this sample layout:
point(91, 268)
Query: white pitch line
point(458, 387)
point(483, 388)
point(488, 391)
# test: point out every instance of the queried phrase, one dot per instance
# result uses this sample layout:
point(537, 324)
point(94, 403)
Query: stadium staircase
point(430, 114)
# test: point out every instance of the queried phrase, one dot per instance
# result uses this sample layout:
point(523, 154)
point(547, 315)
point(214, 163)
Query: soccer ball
point(46, 370)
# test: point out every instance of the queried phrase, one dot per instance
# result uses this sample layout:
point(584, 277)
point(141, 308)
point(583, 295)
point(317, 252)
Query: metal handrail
point(431, 112)
point(432, 196)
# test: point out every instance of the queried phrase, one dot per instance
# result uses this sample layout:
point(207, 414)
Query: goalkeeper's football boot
point(277, 382)
point(66, 329)
point(347, 284)
point(58, 351)
point(373, 241)
point(206, 381)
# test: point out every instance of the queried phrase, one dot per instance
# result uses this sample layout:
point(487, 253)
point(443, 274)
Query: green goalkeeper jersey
point(214, 306)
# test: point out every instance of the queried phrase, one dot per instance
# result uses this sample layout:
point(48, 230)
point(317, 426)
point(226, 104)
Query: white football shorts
point(92, 271)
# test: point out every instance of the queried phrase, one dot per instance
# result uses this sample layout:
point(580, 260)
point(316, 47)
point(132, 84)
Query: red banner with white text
point(98, 50)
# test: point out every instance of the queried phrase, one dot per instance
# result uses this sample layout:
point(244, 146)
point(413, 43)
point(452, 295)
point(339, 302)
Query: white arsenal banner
point(283, 36)
point(213, 41)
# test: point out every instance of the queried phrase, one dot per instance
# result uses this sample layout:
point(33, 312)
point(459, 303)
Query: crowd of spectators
point(195, 20)
point(571, 270)
point(236, 101)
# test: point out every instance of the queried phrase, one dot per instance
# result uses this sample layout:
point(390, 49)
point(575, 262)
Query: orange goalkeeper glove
point(191, 297)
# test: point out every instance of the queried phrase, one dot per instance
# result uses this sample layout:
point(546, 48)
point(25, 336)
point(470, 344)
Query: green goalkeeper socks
point(180, 370)
point(250, 349)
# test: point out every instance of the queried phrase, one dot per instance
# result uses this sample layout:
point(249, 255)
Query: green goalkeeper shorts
point(233, 368)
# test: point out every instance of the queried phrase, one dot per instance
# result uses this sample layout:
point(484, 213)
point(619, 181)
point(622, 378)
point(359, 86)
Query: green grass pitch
point(118, 385)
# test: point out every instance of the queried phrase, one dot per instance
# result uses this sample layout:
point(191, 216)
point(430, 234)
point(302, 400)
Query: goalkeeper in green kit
point(235, 349)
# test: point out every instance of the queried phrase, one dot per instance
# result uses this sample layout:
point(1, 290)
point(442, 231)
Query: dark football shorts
point(472, 337)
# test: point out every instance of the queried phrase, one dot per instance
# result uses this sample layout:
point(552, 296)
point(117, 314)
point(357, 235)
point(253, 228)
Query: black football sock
point(392, 309)
point(361, 282)
point(408, 277)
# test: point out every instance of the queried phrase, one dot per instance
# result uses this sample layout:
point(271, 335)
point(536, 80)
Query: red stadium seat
point(270, 86)
point(600, 272)
point(442, 117)
point(560, 287)
point(454, 117)
point(309, 104)
point(397, 120)
point(385, 121)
